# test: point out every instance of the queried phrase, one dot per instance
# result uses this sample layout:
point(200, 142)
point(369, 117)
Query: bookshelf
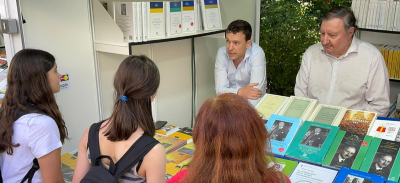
point(186, 62)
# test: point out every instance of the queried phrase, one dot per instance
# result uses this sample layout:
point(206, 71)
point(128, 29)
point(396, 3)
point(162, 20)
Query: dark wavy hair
point(231, 144)
point(240, 26)
point(27, 83)
point(138, 79)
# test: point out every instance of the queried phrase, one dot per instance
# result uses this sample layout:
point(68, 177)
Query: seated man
point(240, 66)
point(342, 70)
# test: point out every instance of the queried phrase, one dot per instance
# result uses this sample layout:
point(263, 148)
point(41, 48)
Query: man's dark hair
point(347, 15)
point(240, 26)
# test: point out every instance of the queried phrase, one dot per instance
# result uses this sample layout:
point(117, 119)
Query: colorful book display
point(156, 20)
point(270, 104)
point(357, 121)
point(184, 134)
point(174, 18)
point(188, 16)
point(327, 114)
point(312, 142)
point(347, 175)
point(383, 159)
point(167, 129)
point(298, 107)
point(181, 154)
point(347, 150)
point(171, 144)
point(282, 130)
point(211, 14)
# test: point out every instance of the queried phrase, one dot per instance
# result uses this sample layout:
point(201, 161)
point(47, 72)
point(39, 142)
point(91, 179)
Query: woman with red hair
point(231, 144)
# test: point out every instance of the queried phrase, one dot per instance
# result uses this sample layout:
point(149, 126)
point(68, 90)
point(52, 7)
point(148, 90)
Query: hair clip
point(123, 97)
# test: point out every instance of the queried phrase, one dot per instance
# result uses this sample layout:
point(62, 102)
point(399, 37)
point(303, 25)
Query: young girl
point(31, 126)
point(231, 144)
point(136, 83)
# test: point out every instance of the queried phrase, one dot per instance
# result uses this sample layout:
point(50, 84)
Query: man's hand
point(249, 92)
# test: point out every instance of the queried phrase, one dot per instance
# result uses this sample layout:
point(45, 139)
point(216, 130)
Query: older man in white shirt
point(342, 70)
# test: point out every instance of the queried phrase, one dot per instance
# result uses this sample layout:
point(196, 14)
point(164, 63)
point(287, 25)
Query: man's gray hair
point(347, 15)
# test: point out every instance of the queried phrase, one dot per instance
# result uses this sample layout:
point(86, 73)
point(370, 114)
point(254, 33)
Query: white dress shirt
point(356, 80)
point(229, 79)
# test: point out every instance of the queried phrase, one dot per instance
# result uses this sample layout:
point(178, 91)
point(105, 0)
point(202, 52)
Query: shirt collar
point(353, 48)
point(377, 167)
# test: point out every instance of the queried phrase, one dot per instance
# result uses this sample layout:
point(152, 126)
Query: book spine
point(369, 157)
point(332, 150)
point(395, 173)
point(362, 152)
point(144, 21)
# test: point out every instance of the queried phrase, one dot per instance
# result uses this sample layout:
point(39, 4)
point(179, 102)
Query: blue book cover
point(389, 181)
point(282, 129)
point(347, 175)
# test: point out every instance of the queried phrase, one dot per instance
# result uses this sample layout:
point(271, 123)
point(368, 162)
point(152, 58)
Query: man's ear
point(248, 43)
point(351, 32)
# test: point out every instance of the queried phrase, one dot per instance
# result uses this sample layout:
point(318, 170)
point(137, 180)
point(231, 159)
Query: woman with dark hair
point(136, 82)
point(231, 145)
point(31, 126)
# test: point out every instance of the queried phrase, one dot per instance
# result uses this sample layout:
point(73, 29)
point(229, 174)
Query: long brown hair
point(137, 79)
point(27, 83)
point(231, 143)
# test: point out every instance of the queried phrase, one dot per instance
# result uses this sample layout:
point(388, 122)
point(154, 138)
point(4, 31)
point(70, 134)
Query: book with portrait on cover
point(347, 175)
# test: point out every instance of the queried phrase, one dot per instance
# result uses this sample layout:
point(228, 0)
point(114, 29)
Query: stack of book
point(391, 54)
point(144, 21)
point(377, 14)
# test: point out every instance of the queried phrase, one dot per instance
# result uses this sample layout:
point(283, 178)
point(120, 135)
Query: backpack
point(35, 166)
point(135, 153)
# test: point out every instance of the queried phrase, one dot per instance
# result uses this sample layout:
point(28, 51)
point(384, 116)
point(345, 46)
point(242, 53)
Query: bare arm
point(154, 164)
point(82, 165)
point(50, 167)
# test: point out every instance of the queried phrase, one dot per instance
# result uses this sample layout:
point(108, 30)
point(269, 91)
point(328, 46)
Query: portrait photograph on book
point(382, 163)
point(315, 136)
point(279, 130)
point(347, 150)
point(355, 179)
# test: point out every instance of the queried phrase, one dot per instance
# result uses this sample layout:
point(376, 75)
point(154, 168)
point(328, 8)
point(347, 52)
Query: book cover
point(386, 129)
point(298, 107)
point(171, 144)
point(347, 150)
point(184, 134)
point(144, 20)
point(357, 121)
point(167, 129)
point(181, 154)
point(327, 114)
point(174, 18)
point(156, 20)
point(211, 14)
point(188, 16)
point(284, 165)
point(381, 159)
point(347, 175)
point(124, 17)
point(282, 130)
point(312, 142)
point(306, 173)
point(270, 104)
point(173, 168)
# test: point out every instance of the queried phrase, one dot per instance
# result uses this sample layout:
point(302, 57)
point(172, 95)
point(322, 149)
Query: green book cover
point(284, 165)
point(381, 159)
point(312, 142)
point(326, 115)
point(347, 150)
point(297, 108)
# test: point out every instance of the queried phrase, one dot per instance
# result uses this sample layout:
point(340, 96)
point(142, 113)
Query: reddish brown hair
point(231, 143)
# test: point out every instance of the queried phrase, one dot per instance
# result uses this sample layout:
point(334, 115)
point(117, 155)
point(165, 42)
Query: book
point(298, 107)
point(144, 20)
point(381, 159)
point(124, 17)
point(174, 17)
point(189, 16)
point(184, 134)
point(167, 129)
point(386, 129)
point(282, 130)
point(306, 173)
point(312, 142)
point(283, 165)
point(347, 175)
point(211, 14)
point(155, 20)
point(68, 164)
point(171, 144)
point(173, 168)
point(181, 154)
point(270, 104)
point(357, 121)
point(347, 150)
point(139, 21)
point(327, 114)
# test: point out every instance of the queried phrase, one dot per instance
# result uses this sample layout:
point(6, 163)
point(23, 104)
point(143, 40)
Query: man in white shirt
point(240, 66)
point(342, 70)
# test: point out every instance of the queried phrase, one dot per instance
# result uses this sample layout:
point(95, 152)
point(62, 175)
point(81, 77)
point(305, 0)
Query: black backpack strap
point(93, 142)
point(30, 107)
point(31, 172)
point(134, 154)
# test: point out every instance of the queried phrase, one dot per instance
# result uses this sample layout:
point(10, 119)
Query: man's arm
point(378, 88)
point(258, 74)
point(301, 87)
point(221, 75)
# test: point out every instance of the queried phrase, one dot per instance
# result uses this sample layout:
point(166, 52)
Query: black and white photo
point(382, 164)
point(315, 136)
point(279, 130)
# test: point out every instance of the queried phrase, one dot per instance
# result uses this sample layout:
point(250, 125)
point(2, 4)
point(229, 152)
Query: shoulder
point(314, 48)
point(38, 121)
